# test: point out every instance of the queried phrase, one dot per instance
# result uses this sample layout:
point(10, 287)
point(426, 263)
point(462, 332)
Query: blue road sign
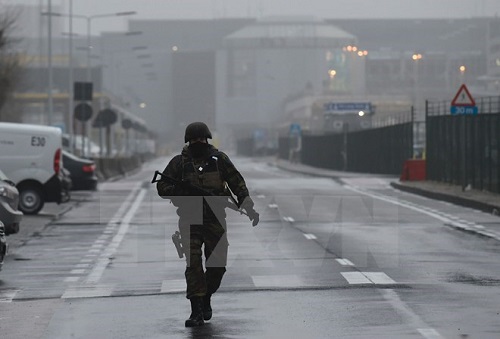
point(463, 110)
point(347, 107)
point(295, 129)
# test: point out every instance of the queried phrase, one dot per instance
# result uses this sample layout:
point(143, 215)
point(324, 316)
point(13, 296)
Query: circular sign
point(105, 118)
point(126, 123)
point(83, 112)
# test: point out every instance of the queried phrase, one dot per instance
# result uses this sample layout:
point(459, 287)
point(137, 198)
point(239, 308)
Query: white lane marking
point(441, 216)
point(310, 236)
point(345, 262)
point(103, 260)
point(77, 271)
point(88, 291)
point(174, 285)
point(289, 219)
point(7, 296)
point(71, 279)
point(355, 278)
point(429, 333)
point(379, 278)
point(261, 196)
point(86, 260)
point(276, 281)
point(274, 206)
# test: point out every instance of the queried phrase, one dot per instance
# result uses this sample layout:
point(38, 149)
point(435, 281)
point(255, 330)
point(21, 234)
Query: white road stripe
point(355, 278)
point(429, 333)
point(310, 236)
point(345, 262)
point(421, 209)
point(379, 278)
point(103, 261)
point(71, 279)
point(77, 271)
point(7, 296)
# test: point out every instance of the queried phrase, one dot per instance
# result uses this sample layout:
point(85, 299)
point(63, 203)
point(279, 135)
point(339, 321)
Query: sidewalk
point(480, 200)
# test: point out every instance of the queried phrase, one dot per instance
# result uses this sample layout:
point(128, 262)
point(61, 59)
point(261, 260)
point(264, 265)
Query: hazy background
point(332, 9)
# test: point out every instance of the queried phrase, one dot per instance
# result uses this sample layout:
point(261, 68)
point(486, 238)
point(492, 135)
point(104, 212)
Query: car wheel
point(30, 199)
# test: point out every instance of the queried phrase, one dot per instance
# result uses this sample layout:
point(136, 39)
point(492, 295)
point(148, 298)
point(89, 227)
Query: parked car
point(30, 155)
point(3, 245)
point(10, 216)
point(82, 171)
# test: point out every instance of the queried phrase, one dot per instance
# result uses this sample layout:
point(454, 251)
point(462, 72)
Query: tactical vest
point(204, 173)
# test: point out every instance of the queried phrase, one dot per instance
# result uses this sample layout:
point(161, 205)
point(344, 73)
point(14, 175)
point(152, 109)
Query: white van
point(30, 156)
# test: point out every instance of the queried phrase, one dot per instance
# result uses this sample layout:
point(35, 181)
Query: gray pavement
point(480, 200)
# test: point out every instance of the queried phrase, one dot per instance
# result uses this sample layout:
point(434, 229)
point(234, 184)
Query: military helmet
point(197, 130)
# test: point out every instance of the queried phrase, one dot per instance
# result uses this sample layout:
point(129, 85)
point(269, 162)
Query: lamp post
point(416, 57)
point(89, 19)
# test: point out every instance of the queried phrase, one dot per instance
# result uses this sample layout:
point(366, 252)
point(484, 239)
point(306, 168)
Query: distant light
point(360, 53)
point(349, 48)
point(365, 53)
point(175, 48)
point(332, 73)
point(354, 48)
point(416, 56)
point(462, 69)
point(142, 105)
point(361, 113)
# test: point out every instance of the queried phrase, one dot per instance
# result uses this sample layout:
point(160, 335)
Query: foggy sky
point(195, 9)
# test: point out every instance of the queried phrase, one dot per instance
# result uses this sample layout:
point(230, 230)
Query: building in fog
point(243, 75)
point(263, 64)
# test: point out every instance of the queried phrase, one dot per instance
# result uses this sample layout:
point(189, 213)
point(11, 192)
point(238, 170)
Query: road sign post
point(463, 104)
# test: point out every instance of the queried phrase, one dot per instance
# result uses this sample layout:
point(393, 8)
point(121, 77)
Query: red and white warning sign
point(463, 98)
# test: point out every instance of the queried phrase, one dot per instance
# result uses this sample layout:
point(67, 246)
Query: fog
point(251, 68)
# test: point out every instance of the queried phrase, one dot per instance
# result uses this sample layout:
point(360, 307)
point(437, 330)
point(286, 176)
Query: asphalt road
point(330, 259)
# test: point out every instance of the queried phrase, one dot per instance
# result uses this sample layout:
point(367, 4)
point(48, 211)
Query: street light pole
point(50, 75)
point(70, 80)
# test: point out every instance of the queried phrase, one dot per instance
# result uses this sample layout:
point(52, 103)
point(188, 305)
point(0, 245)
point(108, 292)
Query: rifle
point(232, 203)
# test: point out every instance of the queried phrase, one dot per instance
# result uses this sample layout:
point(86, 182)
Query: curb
point(465, 202)
point(483, 207)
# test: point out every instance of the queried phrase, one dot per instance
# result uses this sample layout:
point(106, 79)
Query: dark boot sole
point(194, 323)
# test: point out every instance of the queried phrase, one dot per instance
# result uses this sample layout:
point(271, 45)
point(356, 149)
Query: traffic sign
point(347, 107)
point(463, 110)
point(463, 97)
point(295, 130)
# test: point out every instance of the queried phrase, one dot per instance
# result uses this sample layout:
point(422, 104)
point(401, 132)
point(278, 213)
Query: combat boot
point(207, 308)
point(196, 317)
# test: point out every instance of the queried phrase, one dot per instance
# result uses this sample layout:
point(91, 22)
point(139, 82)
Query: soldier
point(202, 219)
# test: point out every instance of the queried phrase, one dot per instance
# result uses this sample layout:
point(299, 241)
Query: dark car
point(10, 216)
point(82, 172)
point(3, 244)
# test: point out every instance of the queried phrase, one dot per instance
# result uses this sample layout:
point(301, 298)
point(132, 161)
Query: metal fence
point(463, 149)
point(381, 150)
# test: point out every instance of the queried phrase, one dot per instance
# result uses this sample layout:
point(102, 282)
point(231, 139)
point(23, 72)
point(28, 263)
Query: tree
point(10, 65)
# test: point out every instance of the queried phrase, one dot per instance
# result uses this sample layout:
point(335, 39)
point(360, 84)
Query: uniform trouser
point(213, 236)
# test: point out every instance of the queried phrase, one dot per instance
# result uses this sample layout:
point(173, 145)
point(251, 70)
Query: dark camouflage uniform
point(202, 219)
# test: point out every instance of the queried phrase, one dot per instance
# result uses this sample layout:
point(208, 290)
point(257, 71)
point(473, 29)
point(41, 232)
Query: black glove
point(247, 205)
